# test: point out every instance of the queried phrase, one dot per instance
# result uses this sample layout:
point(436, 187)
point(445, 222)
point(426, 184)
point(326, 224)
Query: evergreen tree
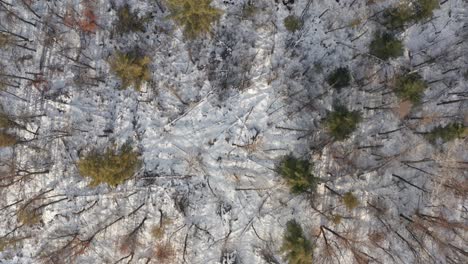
point(385, 46)
point(425, 8)
point(410, 87)
point(297, 247)
point(298, 174)
point(195, 16)
point(339, 78)
point(398, 17)
point(409, 12)
point(447, 133)
point(131, 68)
point(342, 122)
point(128, 21)
point(113, 166)
point(292, 23)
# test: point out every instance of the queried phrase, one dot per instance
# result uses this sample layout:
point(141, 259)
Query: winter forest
point(233, 131)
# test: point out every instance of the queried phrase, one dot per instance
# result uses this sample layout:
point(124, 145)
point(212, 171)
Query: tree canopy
point(297, 247)
point(113, 166)
point(298, 174)
point(195, 16)
point(131, 68)
point(341, 122)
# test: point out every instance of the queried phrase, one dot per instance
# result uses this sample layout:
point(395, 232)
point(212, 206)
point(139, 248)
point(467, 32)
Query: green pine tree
point(447, 133)
point(113, 166)
point(385, 46)
point(425, 8)
point(410, 87)
point(298, 174)
point(296, 246)
point(341, 122)
point(128, 21)
point(131, 68)
point(292, 23)
point(407, 12)
point(195, 16)
point(398, 17)
point(339, 78)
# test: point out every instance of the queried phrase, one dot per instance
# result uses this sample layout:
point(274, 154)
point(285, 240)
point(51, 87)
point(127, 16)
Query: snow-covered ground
point(212, 125)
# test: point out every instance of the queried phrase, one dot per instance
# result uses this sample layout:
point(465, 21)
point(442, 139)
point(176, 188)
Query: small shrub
point(9, 242)
point(5, 40)
point(350, 201)
point(249, 10)
point(195, 16)
point(88, 21)
point(112, 166)
point(410, 87)
point(341, 122)
point(339, 78)
point(158, 231)
point(164, 252)
point(292, 23)
point(5, 121)
point(447, 133)
point(355, 22)
point(29, 216)
point(131, 68)
point(298, 248)
point(128, 21)
point(386, 46)
point(298, 174)
point(336, 219)
point(7, 140)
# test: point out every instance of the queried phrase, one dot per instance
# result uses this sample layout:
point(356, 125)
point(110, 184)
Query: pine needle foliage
point(128, 21)
point(398, 17)
point(131, 68)
point(297, 247)
point(447, 133)
point(292, 23)
point(407, 12)
point(410, 87)
point(195, 16)
point(425, 8)
point(113, 166)
point(298, 174)
point(350, 201)
point(339, 78)
point(385, 46)
point(7, 140)
point(341, 122)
